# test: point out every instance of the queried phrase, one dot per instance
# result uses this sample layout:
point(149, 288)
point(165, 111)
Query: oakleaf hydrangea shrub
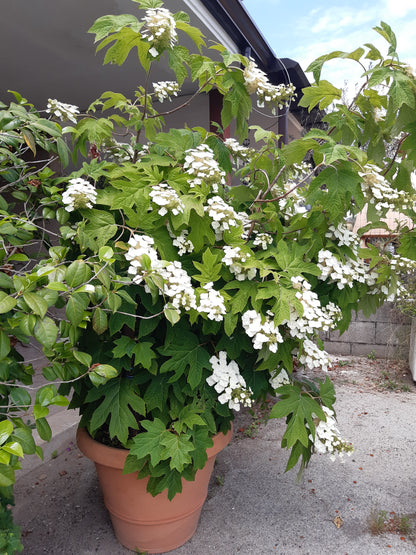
point(195, 274)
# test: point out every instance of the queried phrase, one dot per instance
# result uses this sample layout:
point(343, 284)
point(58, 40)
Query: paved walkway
point(253, 507)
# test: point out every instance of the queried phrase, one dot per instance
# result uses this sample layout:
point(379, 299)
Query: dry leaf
point(338, 521)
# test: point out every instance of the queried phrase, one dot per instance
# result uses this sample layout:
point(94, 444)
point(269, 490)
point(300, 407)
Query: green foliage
point(301, 405)
point(321, 94)
point(316, 66)
point(118, 403)
point(9, 532)
point(168, 453)
point(185, 357)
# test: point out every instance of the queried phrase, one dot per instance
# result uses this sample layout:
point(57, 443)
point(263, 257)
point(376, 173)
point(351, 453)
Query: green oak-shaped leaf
point(188, 358)
point(149, 443)
point(119, 404)
point(177, 449)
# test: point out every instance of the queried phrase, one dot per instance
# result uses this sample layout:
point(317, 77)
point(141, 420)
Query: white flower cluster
point(62, 111)
point(409, 70)
point(119, 152)
point(181, 241)
point(202, 166)
point(228, 381)
point(256, 81)
point(263, 333)
point(296, 174)
point(176, 282)
point(378, 191)
point(212, 303)
point(178, 286)
point(344, 273)
point(234, 258)
point(278, 378)
point(379, 114)
point(327, 437)
point(315, 317)
point(239, 151)
point(79, 194)
point(166, 89)
point(115, 151)
point(142, 245)
point(313, 356)
point(402, 264)
point(293, 203)
point(223, 216)
point(344, 237)
point(144, 150)
point(262, 240)
point(254, 78)
point(160, 29)
point(299, 172)
point(163, 195)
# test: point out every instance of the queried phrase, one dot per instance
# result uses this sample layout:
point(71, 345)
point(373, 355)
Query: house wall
point(386, 332)
point(47, 52)
point(196, 114)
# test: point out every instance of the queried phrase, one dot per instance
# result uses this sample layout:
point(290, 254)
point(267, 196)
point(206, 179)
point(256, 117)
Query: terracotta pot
point(141, 521)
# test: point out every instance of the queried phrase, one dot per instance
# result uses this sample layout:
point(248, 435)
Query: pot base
point(155, 537)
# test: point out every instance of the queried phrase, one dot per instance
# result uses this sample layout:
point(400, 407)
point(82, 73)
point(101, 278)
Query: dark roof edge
point(236, 21)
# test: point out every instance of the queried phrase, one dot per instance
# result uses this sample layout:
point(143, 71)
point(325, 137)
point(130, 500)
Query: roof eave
point(236, 21)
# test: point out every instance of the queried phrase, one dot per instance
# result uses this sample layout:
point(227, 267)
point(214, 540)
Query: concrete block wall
point(386, 333)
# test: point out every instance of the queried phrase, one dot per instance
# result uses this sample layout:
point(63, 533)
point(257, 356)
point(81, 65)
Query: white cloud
point(345, 28)
point(336, 20)
point(399, 8)
point(306, 32)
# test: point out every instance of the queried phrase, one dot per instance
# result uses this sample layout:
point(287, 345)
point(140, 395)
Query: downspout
point(283, 126)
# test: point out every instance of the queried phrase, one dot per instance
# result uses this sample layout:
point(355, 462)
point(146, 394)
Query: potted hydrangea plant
point(193, 272)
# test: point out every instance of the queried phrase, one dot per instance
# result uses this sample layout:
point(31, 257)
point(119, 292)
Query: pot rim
point(116, 457)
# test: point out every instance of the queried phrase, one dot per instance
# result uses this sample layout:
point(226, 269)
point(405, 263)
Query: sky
point(303, 30)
